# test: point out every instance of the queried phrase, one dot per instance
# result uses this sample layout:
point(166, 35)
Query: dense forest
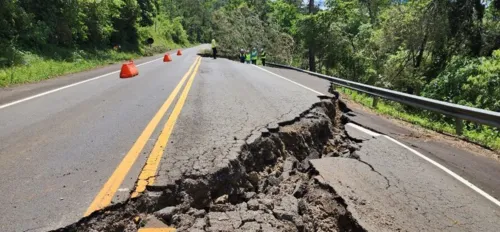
point(443, 49)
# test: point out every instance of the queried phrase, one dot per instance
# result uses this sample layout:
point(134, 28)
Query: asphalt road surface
point(58, 150)
point(391, 188)
point(78, 148)
point(472, 164)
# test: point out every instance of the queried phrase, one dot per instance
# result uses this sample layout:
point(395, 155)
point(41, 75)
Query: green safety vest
point(263, 55)
point(247, 57)
point(214, 44)
point(254, 55)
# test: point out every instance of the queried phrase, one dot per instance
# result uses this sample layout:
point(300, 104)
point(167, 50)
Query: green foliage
point(241, 28)
point(42, 39)
point(446, 50)
point(148, 11)
point(166, 34)
point(472, 82)
point(178, 34)
point(448, 86)
point(126, 32)
point(285, 15)
point(97, 19)
point(38, 68)
point(196, 18)
point(484, 135)
point(40, 26)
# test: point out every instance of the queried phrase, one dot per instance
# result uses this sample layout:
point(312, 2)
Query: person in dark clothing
point(214, 48)
point(242, 55)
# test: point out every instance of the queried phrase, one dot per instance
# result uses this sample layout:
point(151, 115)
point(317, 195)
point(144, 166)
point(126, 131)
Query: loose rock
point(253, 204)
point(222, 199)
point(166, 213)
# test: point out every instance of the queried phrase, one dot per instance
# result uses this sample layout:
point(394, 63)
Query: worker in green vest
point(254, 55)
point(214, 48)
point(263, 56)
point(248, 57)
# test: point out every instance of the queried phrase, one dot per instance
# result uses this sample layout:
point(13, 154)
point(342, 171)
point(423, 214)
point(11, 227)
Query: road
point(78, 148)
point(475, 164)
point(58, 150)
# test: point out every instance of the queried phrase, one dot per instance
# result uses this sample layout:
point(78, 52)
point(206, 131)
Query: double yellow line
point(147, 175)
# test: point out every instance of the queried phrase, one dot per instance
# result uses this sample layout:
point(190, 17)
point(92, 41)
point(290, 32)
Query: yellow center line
point(147, 176)
point(109, 189)
point(156, 230)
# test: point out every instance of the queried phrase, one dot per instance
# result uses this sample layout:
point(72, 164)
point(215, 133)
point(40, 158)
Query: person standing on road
point(254, 55)
point(263, 56)
point(214, 48)
point(242, 55)
point(248, 57)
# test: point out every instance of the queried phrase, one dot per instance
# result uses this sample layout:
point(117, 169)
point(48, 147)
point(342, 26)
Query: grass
point(37, 68)
point(483, 135)
point(56, 61)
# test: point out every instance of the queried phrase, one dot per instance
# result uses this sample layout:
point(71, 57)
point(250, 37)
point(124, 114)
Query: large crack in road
point(266, 184)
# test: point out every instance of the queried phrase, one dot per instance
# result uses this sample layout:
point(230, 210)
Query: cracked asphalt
point(228, 102)
point(58, 150)
point(406, 193)
point(472, 164)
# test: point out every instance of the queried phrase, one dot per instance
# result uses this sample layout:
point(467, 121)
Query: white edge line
point(67, 86)
point(303, 86)
point(369, 132)
point(451, 173)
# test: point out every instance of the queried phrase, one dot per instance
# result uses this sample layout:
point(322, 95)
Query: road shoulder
point(17, 92)
point(476, 164)
point(390, 189)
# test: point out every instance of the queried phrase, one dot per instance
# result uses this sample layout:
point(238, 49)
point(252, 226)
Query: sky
point(321, 3)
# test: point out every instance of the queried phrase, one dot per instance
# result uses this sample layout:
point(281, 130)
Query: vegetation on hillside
point(442, 49)
point(42, 39)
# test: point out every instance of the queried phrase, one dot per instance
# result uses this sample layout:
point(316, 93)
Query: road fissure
point(147, 176)
point(109, 189)
point(266, 184)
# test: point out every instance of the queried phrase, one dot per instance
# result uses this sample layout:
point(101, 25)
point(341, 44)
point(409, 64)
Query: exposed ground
point(266, 184)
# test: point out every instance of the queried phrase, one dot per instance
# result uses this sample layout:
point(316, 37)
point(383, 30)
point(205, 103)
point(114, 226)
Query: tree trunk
point(421, 51)
point(312, 60)
point(476, 37)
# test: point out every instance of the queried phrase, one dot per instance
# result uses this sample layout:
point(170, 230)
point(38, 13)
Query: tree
point(124, 20)
point(98, 20)
point(312, 58)
point(13, 24)
point(242, 28)
point(285, 15)
point(148, 11)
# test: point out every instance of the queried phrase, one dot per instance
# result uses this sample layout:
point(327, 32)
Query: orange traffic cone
point(179, 53)
point(167, 58)
point(129, 70)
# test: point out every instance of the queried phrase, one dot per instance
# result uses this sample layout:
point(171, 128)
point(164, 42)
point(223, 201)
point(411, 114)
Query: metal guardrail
point(459, 112)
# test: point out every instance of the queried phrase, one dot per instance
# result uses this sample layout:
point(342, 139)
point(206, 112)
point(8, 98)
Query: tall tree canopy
point(445, 49)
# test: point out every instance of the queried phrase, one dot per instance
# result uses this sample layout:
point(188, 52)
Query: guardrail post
point(459, 126)
point(375, 102)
